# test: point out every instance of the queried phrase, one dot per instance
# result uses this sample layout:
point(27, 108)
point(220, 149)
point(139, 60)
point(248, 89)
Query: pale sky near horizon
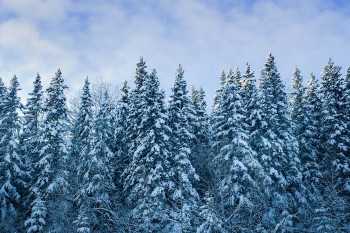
point(105, 38)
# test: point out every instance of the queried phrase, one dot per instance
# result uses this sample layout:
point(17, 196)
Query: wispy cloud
point(106, 38)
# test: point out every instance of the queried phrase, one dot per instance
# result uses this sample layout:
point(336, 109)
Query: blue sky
point(104, 39)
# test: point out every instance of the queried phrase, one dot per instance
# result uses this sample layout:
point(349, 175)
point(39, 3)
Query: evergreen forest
point(263, 160)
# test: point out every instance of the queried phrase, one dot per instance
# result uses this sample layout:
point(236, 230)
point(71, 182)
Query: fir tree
point(238, 77)
point(333, 152)
point(30, 137)
point(213, 222)
point(12, 173)
point(96, 172)
point(122, 139)
point(199, 125)
point(346, 114)
point(82, 222)
point(310, 147)
point(335, 159)
point(135, 112)
point(36, 222)
point(236, 168)
point(3, 95)
point(52, 181)
point(81, 146)
point(250, 99)
point(278, 153)
point(83, 126)
point(218, 92)
point(136, 108)
point(148, 184)
point(185, 197)
point(296, 104)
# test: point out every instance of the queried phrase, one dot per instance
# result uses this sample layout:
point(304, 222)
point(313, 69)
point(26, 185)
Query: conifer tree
point(136, 108)
point(278, 153)
point(148, 183)
point(310, 147)
point(135, 112)
point(346, 114)
point(330, 214)
point(122, 139)
point(238, 77)
point(96, 173)
point(199, 125)
point(201, 117)
point(30, 137)
point(36, 222)
point(83, 126)
point(249, 94)
point(3, 95)
point(52, 181)
point(335, 159)
point(296, 105)
point(212, 220)
point(219, 91)
point(185, 197)
point(12, 173)
point(236, 168)
point(82, 143)
point(82, 222)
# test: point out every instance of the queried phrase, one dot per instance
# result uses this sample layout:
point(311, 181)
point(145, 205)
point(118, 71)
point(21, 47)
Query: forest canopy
point(262, 161)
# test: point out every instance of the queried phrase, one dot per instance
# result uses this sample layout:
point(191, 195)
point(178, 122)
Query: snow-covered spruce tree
point(296, 105)
point(83, 126)
point(12, 173)
point(3, 101)
point(334, 151)
point(82, 222)
point(218, 92)
point(249, 94)
point(30, 136)
point(30, 139)
point(310, 152)
point(136, 109)
point(278, 152)
point(122, 115)
point(310, 155)
point(200, 147)
point(254, 125)
point(238, 77)
point(3, 97)
point(52, 180)
point(82, 131)
point(237, 170)
point(148, 183)
point(184, 197)
point(95, 172)
point(36, 222)
point(332, 212)
point(201, 117)
point(212, 220)
point(305, 106)
point(134, 116)
point(346, 100)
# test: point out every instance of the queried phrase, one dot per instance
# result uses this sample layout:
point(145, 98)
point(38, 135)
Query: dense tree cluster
point(262, 161)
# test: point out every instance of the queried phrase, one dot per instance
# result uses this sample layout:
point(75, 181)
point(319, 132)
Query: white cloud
point(106, 38)
point(36, 9)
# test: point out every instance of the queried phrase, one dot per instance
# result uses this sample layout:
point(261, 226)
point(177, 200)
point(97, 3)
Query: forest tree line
point(259, 162)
